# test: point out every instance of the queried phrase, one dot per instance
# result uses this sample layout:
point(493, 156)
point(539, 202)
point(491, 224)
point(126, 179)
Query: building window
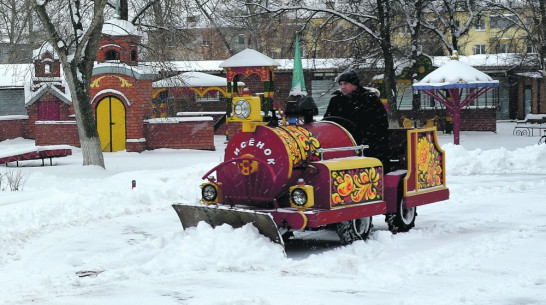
point(133, 55)
point(241, 39)
point(479, 25)
point(47, 69)
point(111, 55)
point(479, 49)
point(206, 43)
point(192, 21)
point(502, 21)
point(503, 48)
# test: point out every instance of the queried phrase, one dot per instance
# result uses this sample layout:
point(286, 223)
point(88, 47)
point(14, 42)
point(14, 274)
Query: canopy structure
point(447, 85)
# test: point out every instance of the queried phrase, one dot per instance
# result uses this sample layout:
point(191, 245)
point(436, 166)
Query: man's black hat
point(349, 76)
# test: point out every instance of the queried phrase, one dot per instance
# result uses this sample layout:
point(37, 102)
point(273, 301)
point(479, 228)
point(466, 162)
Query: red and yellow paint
point(360, 185)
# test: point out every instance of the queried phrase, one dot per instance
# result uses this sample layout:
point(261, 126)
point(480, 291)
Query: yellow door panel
point(111, 124)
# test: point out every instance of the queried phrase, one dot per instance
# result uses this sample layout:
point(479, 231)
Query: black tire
point(403, 220)
point(542, 140)
point(352, 230)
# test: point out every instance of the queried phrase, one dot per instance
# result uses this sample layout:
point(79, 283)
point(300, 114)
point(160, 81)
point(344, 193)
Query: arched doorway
point(111, 124)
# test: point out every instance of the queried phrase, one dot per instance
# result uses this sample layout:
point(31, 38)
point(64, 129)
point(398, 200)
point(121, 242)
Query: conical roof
point(249, 58)
point(455, 74)
point(298, 80)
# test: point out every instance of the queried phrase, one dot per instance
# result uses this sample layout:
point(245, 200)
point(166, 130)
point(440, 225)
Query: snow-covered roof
point(535, 74)
point(249, 58)
point(46, 47)
point(47, 88)
point(490, 60)
point(15, 75)
point(455, 74)
point(137, 72)
point(192, 79)
point(119, 27)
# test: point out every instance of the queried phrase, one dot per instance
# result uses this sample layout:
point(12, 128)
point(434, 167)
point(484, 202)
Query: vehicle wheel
point(356, 229)
point(542, 140)
point(403, 220)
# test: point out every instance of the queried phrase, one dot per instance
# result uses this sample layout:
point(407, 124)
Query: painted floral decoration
point(356, 185)
point(429, 162)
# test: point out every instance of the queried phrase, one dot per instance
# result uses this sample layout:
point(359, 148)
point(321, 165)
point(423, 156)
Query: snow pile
point(461, 162)
point(82, 235)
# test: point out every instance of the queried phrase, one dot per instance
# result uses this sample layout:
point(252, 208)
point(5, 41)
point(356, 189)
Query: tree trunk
point(542, 52)
point(78, 68)
point(416, 97)
point(386, 47)
point(87, 126)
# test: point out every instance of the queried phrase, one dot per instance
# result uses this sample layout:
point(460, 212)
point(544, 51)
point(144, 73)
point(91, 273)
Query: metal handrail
point(321, 151)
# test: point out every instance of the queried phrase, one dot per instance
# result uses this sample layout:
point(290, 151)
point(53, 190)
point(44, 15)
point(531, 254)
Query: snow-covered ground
point(82, 235)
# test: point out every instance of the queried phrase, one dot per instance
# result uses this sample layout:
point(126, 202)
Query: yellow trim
point(95, 83)
point(309, 191)
point(304, 220)
point(201, 92)
point(157, 91)
point(219, 192)
point(413, 133)
point(351, 163)
point(424, 191)
point(124, 82)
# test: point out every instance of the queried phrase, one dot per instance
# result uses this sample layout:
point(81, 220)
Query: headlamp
point(209, 193)
point(299, 197)
point(242, 109)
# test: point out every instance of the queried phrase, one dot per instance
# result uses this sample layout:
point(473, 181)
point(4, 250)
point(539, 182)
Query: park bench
point(531, 123)
point(36, 153)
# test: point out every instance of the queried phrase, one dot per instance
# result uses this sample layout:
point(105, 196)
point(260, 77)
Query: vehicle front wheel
point(403, 220)
point(356, 229)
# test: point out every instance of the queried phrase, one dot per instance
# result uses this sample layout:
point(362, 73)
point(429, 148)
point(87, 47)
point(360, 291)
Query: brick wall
point(137, 92)
point(122, 44)
point(480, 119)
point(56, 133)
point(65, 111)
point(179, 134)
point(13, 128)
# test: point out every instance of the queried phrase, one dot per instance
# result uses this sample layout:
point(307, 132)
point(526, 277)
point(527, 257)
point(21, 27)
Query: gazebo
point(447, 85)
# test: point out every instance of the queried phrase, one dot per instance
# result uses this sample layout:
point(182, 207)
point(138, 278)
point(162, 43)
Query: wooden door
point(111, 124)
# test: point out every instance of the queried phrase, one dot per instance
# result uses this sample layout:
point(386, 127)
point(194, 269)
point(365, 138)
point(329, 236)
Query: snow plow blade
point(191, 215)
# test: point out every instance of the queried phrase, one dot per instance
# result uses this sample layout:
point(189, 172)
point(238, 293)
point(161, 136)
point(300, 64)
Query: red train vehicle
point(308, 176)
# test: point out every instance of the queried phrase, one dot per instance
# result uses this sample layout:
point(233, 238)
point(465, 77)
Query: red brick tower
point(47, 101)
point(120, 90)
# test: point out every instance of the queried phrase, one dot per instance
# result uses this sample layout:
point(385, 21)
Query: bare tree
point(370, 17)
point(16, 28)
point(76, 44)
point(450, 20)
point(412, 14)
point(526, 21)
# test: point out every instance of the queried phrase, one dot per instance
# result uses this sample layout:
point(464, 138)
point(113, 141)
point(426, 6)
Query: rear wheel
point(356, 229)
point(403, 220)
point(542, 140)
